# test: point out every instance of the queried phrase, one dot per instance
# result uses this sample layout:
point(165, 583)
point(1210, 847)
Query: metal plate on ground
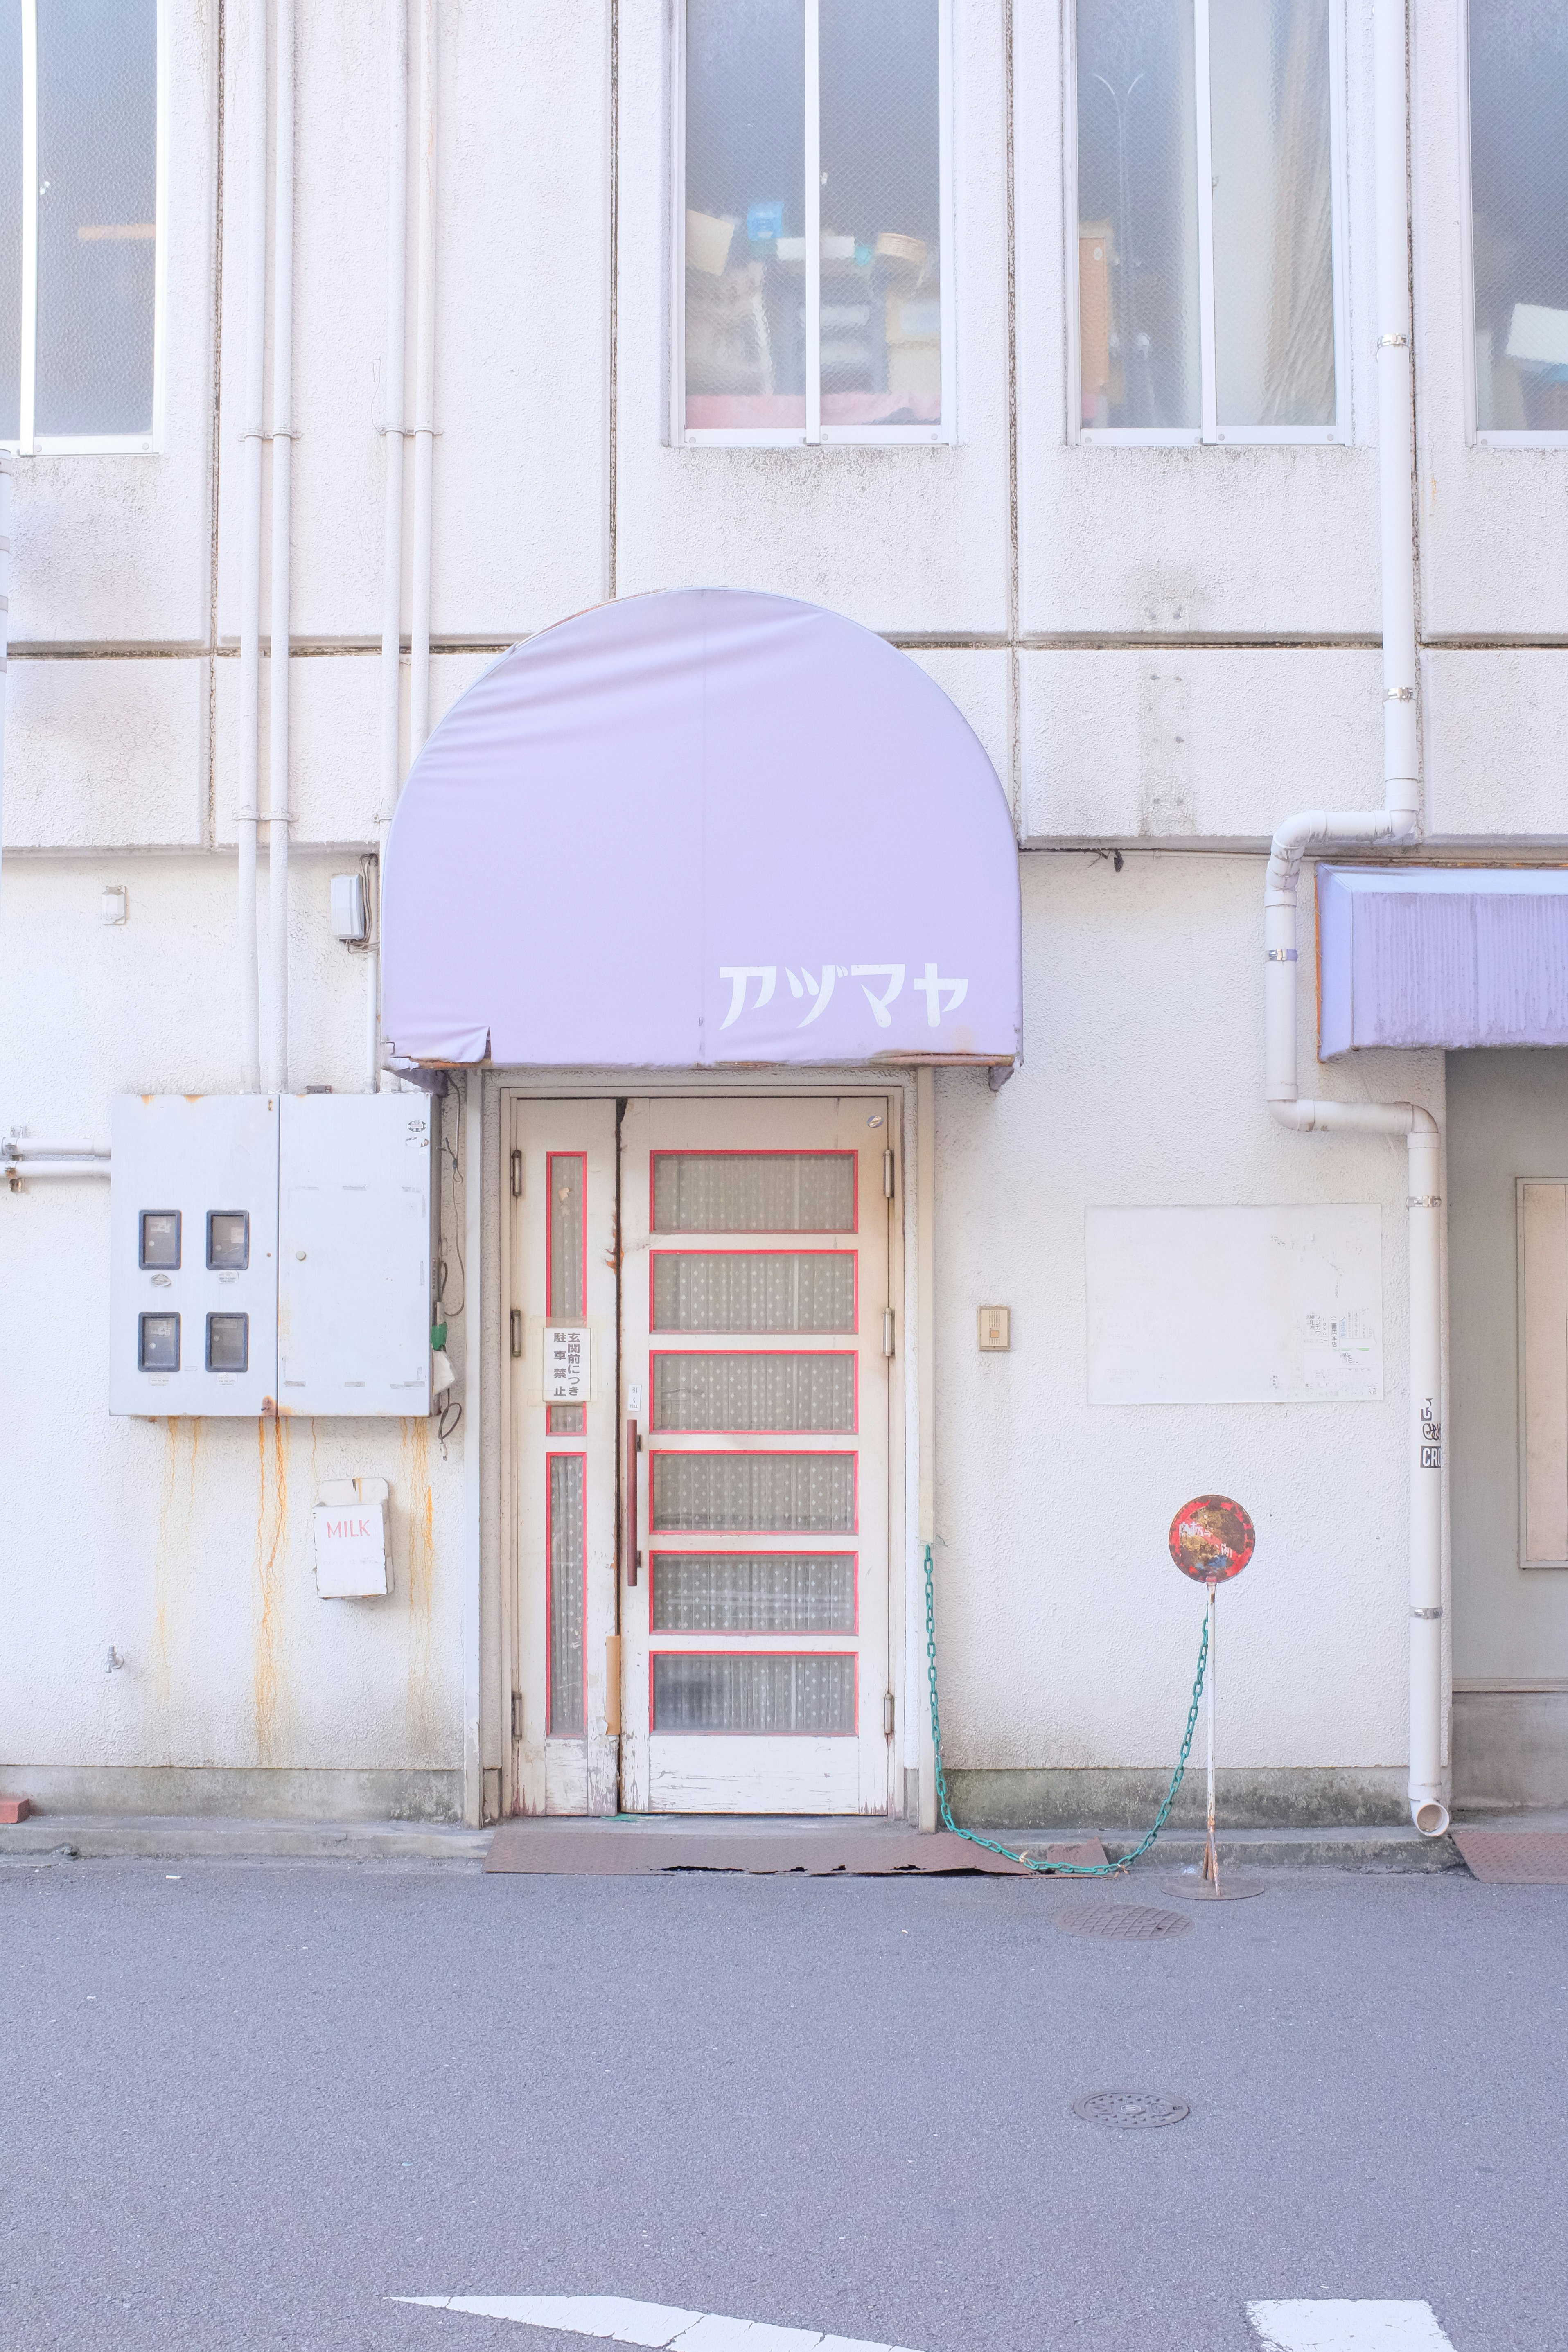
point(1515, 1857)
point(1128, 1923)
point(1129, 2110)
point(1199, 1889)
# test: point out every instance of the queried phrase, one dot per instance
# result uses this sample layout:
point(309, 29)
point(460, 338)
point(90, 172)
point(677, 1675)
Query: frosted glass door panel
point(707, 1693)
point(1519, 179)
point(1138, 214)
point(745, 214)
point(881, 212)
point(98, 134)
point(754, 1191)
point(755, 1292)
point(1273, 212)
point(774, 1394)
point(753, 1592)
point(568, 1559)
point(779, 1494)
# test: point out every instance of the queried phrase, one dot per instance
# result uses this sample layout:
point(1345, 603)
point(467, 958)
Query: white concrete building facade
point(431, 326)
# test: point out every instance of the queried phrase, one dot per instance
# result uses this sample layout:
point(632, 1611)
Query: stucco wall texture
point(1163, 651)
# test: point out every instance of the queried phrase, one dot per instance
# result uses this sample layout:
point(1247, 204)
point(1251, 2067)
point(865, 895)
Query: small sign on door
point(565, 1363)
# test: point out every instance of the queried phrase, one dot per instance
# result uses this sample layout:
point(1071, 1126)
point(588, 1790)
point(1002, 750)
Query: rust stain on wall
point(421, 1583)
point(271, 1528)
point(176, 1517)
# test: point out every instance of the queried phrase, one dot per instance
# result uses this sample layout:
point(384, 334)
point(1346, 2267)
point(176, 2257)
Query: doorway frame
point(494, 1521)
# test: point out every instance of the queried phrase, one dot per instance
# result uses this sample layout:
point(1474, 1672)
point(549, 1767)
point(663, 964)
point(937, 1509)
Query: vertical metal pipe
point(253, 412)
point(424, 394)
point(280, 816)
point(390, 774)
point(7, 483)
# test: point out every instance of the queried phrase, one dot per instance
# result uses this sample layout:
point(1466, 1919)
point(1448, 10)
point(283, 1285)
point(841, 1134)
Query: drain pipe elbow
point(1430, 1816)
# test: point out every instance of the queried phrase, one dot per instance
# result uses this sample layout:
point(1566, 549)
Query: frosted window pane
point(1138, 221)
point(10, 220)
point(565, 1420)
point(754, 1191)
point(778, 1394)
point(566, 1172)
point(97, 123)
point(781, 1494)
point(567, 1554)
point(760, 1291)
point(1518, 171)
point(753, 1592)
point(881, 215)
point(756, 1694)
point(745, 223)
point(1273, 212)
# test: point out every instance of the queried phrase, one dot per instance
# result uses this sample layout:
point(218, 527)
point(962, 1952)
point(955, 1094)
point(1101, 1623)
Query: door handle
point(634, 1558)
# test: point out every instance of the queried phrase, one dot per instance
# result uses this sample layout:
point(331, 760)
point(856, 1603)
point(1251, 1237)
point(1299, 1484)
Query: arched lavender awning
point(697, 828)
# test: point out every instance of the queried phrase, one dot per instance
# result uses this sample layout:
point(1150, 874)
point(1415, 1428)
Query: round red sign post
point(1212, 1539)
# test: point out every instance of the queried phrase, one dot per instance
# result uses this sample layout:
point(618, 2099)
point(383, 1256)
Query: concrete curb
point(1397, 1847)
point(102, 1837)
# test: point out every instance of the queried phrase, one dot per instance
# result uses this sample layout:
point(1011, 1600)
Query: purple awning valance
point(1429, 955)
point(696, 828)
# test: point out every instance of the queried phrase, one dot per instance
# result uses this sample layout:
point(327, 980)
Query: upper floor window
point(1519, 217)
point(810, 298)
point(1209, 174)
point(78, 219)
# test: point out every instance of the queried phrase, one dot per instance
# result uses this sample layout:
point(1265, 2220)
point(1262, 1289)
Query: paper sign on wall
point(565, 1363)
point(1235, 1305)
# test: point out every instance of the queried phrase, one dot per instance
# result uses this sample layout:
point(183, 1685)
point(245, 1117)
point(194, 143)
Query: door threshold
point(630, 1845)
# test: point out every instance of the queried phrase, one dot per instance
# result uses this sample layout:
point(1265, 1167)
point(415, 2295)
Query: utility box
point(357, 1192)
point(192, 1281)
point(271, 1254)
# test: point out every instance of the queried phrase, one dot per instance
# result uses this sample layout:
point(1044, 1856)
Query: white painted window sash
point(1210, 430)
point(28, 442)
point(815, 432)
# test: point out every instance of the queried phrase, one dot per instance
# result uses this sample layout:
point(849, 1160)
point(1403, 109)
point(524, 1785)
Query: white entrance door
point(561, 1334)
point(755, 1368)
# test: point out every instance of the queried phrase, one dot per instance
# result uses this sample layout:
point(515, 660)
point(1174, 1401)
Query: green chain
point(1054, 1869)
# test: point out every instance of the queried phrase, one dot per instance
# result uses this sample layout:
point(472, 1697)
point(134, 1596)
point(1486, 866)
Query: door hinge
point(516, 1331)
point(888, 1713)
point(517, 1714)
point(517, 1175)
point(887, 1175)
point(886, 1331)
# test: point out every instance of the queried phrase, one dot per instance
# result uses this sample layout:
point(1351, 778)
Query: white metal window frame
point(813, 434)
point(29, 443)
point(1210, 430)
point(1480, 436)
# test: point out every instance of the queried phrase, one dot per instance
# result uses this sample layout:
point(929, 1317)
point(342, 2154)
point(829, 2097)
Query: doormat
point(1515, 1857)
point(629, 1849)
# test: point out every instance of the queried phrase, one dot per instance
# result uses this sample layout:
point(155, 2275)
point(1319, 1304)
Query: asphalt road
point(244, 2106)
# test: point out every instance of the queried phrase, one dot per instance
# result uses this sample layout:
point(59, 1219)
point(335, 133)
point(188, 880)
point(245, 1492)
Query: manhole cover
point(1129, 2110)
point(1134, 1923)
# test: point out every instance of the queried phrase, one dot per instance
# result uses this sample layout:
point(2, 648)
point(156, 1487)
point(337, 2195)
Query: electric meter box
point(193, 1282)
point(271, 1254)
point(356, 1195)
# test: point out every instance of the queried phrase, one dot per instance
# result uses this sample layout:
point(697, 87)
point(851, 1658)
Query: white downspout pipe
point(280, 816)
point(1397, 821)
point(251, 434)
point(390, 763)
point(424, 395)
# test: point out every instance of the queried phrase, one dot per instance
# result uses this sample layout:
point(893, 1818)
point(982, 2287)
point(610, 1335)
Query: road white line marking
point(1347, 2327)
point(659, 2326)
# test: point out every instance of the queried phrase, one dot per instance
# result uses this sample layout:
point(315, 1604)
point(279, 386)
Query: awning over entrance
point(1426, 955)
point(696, 828)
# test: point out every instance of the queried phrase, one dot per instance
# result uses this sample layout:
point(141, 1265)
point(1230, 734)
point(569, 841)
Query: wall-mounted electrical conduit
point(1399, 820)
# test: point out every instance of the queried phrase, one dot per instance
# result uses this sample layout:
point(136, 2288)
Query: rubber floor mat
point(618, 1849)
point(1515, 1857)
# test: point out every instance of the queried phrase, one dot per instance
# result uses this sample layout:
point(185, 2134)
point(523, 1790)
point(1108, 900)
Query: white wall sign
point(565, 1363)
point(1235, 1305)
point(350, 1550)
